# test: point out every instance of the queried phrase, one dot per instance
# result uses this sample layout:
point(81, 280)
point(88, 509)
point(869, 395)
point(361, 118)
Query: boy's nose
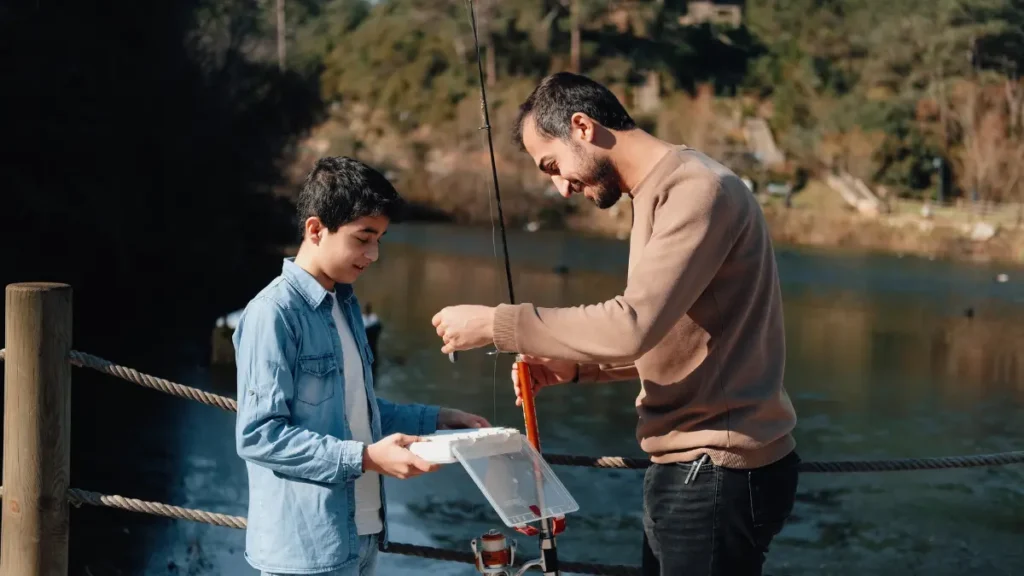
point(373, 252)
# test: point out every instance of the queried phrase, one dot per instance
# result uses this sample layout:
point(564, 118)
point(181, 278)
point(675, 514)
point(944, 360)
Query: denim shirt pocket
point(316, 378)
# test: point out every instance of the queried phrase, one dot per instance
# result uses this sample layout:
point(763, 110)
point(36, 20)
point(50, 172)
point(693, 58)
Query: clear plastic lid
point(514, 478)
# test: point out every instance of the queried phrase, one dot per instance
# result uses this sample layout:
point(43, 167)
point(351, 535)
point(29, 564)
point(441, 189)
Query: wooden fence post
point(37, 430)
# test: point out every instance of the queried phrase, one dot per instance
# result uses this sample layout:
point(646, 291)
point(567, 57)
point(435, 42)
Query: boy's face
point(345, 253)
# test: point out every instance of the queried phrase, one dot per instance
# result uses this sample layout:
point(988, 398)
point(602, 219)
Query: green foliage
point(835, 67)
point(832, 69)
point(320, 26)
point(407, 58)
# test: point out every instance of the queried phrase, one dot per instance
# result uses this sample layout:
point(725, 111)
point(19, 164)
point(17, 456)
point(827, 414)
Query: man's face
point(345, 253)
point(575, 166)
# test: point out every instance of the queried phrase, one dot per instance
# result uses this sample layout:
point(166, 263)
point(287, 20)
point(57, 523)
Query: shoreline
point(818, 216)
point(797, 227)
point(892, 236)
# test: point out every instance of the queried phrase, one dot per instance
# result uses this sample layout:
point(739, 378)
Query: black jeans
point(711, 521)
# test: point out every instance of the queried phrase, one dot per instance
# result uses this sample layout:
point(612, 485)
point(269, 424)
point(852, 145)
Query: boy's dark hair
point(562, 94)
point(340, 189)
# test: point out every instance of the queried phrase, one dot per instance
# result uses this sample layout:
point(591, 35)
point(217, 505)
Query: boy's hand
point(452, 419)
point(544, 372)
point(391, 457)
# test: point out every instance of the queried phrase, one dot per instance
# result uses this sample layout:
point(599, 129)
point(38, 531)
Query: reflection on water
point(882, 362)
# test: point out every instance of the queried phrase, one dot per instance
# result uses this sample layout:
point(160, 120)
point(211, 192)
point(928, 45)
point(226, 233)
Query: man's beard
point(599, 175)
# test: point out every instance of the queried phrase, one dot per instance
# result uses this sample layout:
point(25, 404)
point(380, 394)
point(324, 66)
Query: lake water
point(882, 362)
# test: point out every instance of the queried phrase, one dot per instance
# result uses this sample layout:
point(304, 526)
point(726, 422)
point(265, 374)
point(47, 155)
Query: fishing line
point(494, 253)
point(491, 202)
point(490, 146)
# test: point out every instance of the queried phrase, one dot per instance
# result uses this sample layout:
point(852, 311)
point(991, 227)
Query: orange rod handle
point(529, 408)
point(530, 417)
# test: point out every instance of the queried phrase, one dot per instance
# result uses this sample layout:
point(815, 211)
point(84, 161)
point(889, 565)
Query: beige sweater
point(700, 322)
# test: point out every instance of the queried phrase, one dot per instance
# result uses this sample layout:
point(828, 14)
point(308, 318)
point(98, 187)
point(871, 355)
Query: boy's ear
point(314, 229)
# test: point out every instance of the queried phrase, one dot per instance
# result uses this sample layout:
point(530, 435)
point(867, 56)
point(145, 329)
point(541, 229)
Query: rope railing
point(835, 466)
point(79, 497)
point(84, 360)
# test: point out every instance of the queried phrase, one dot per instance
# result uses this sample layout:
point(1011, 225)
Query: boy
point(314, 437)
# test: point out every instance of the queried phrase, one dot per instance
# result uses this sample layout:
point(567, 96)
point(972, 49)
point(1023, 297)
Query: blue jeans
point(714, 521)
point(367, 565)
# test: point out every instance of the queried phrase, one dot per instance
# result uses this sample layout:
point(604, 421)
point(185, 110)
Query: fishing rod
point(453, 356)
point(493, 553)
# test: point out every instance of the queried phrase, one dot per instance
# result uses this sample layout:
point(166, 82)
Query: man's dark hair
point(340, 189)
point(553, 102)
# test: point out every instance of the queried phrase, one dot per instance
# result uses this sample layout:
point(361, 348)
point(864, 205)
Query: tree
point(934, 43)
point(992, 152)
point(403, 60)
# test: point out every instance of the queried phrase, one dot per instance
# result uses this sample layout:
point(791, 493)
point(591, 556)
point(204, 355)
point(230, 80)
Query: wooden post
point(37, 432)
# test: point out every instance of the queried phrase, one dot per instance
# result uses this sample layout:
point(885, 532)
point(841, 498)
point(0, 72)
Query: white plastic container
point(510, 473)
point(437, 448)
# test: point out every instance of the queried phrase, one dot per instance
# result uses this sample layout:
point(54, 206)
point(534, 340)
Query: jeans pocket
point(772, 493)
point(646, 490)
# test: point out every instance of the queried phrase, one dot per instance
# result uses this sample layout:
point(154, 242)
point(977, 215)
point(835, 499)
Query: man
point(315, 437)
point(699, 324)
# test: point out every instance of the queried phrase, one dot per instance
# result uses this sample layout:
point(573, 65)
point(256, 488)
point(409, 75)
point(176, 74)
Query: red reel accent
point(557, 525)
point(527, 530)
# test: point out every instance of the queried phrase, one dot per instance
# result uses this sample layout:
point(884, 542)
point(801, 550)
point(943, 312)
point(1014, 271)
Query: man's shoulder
point(699, 181)
point(697, 168)
point(698, 187)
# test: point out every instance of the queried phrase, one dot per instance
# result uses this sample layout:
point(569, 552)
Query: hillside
point(919, 100)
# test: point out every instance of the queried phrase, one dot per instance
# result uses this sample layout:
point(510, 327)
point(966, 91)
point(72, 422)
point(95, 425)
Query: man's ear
point(581, 127)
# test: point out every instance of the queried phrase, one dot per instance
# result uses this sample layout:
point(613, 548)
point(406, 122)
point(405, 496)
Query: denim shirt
point(291, 428)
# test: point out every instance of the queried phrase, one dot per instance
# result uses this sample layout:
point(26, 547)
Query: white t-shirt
point(357, 412)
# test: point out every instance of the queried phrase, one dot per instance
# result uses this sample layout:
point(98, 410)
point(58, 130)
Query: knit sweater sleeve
point(695, 222)
point(597, 373)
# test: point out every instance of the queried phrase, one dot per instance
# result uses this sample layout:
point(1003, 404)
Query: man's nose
point(562, 185)
point(373, 252)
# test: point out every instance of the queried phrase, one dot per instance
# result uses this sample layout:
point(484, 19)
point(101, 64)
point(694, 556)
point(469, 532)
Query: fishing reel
point(495, 555)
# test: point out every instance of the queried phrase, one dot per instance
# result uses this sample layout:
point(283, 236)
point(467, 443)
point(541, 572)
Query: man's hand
point(544, 372)
point(452, 419)
point(464, 327)
point(391, 457)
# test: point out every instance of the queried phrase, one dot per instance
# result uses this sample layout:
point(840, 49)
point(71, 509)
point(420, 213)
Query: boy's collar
point(307, 285)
